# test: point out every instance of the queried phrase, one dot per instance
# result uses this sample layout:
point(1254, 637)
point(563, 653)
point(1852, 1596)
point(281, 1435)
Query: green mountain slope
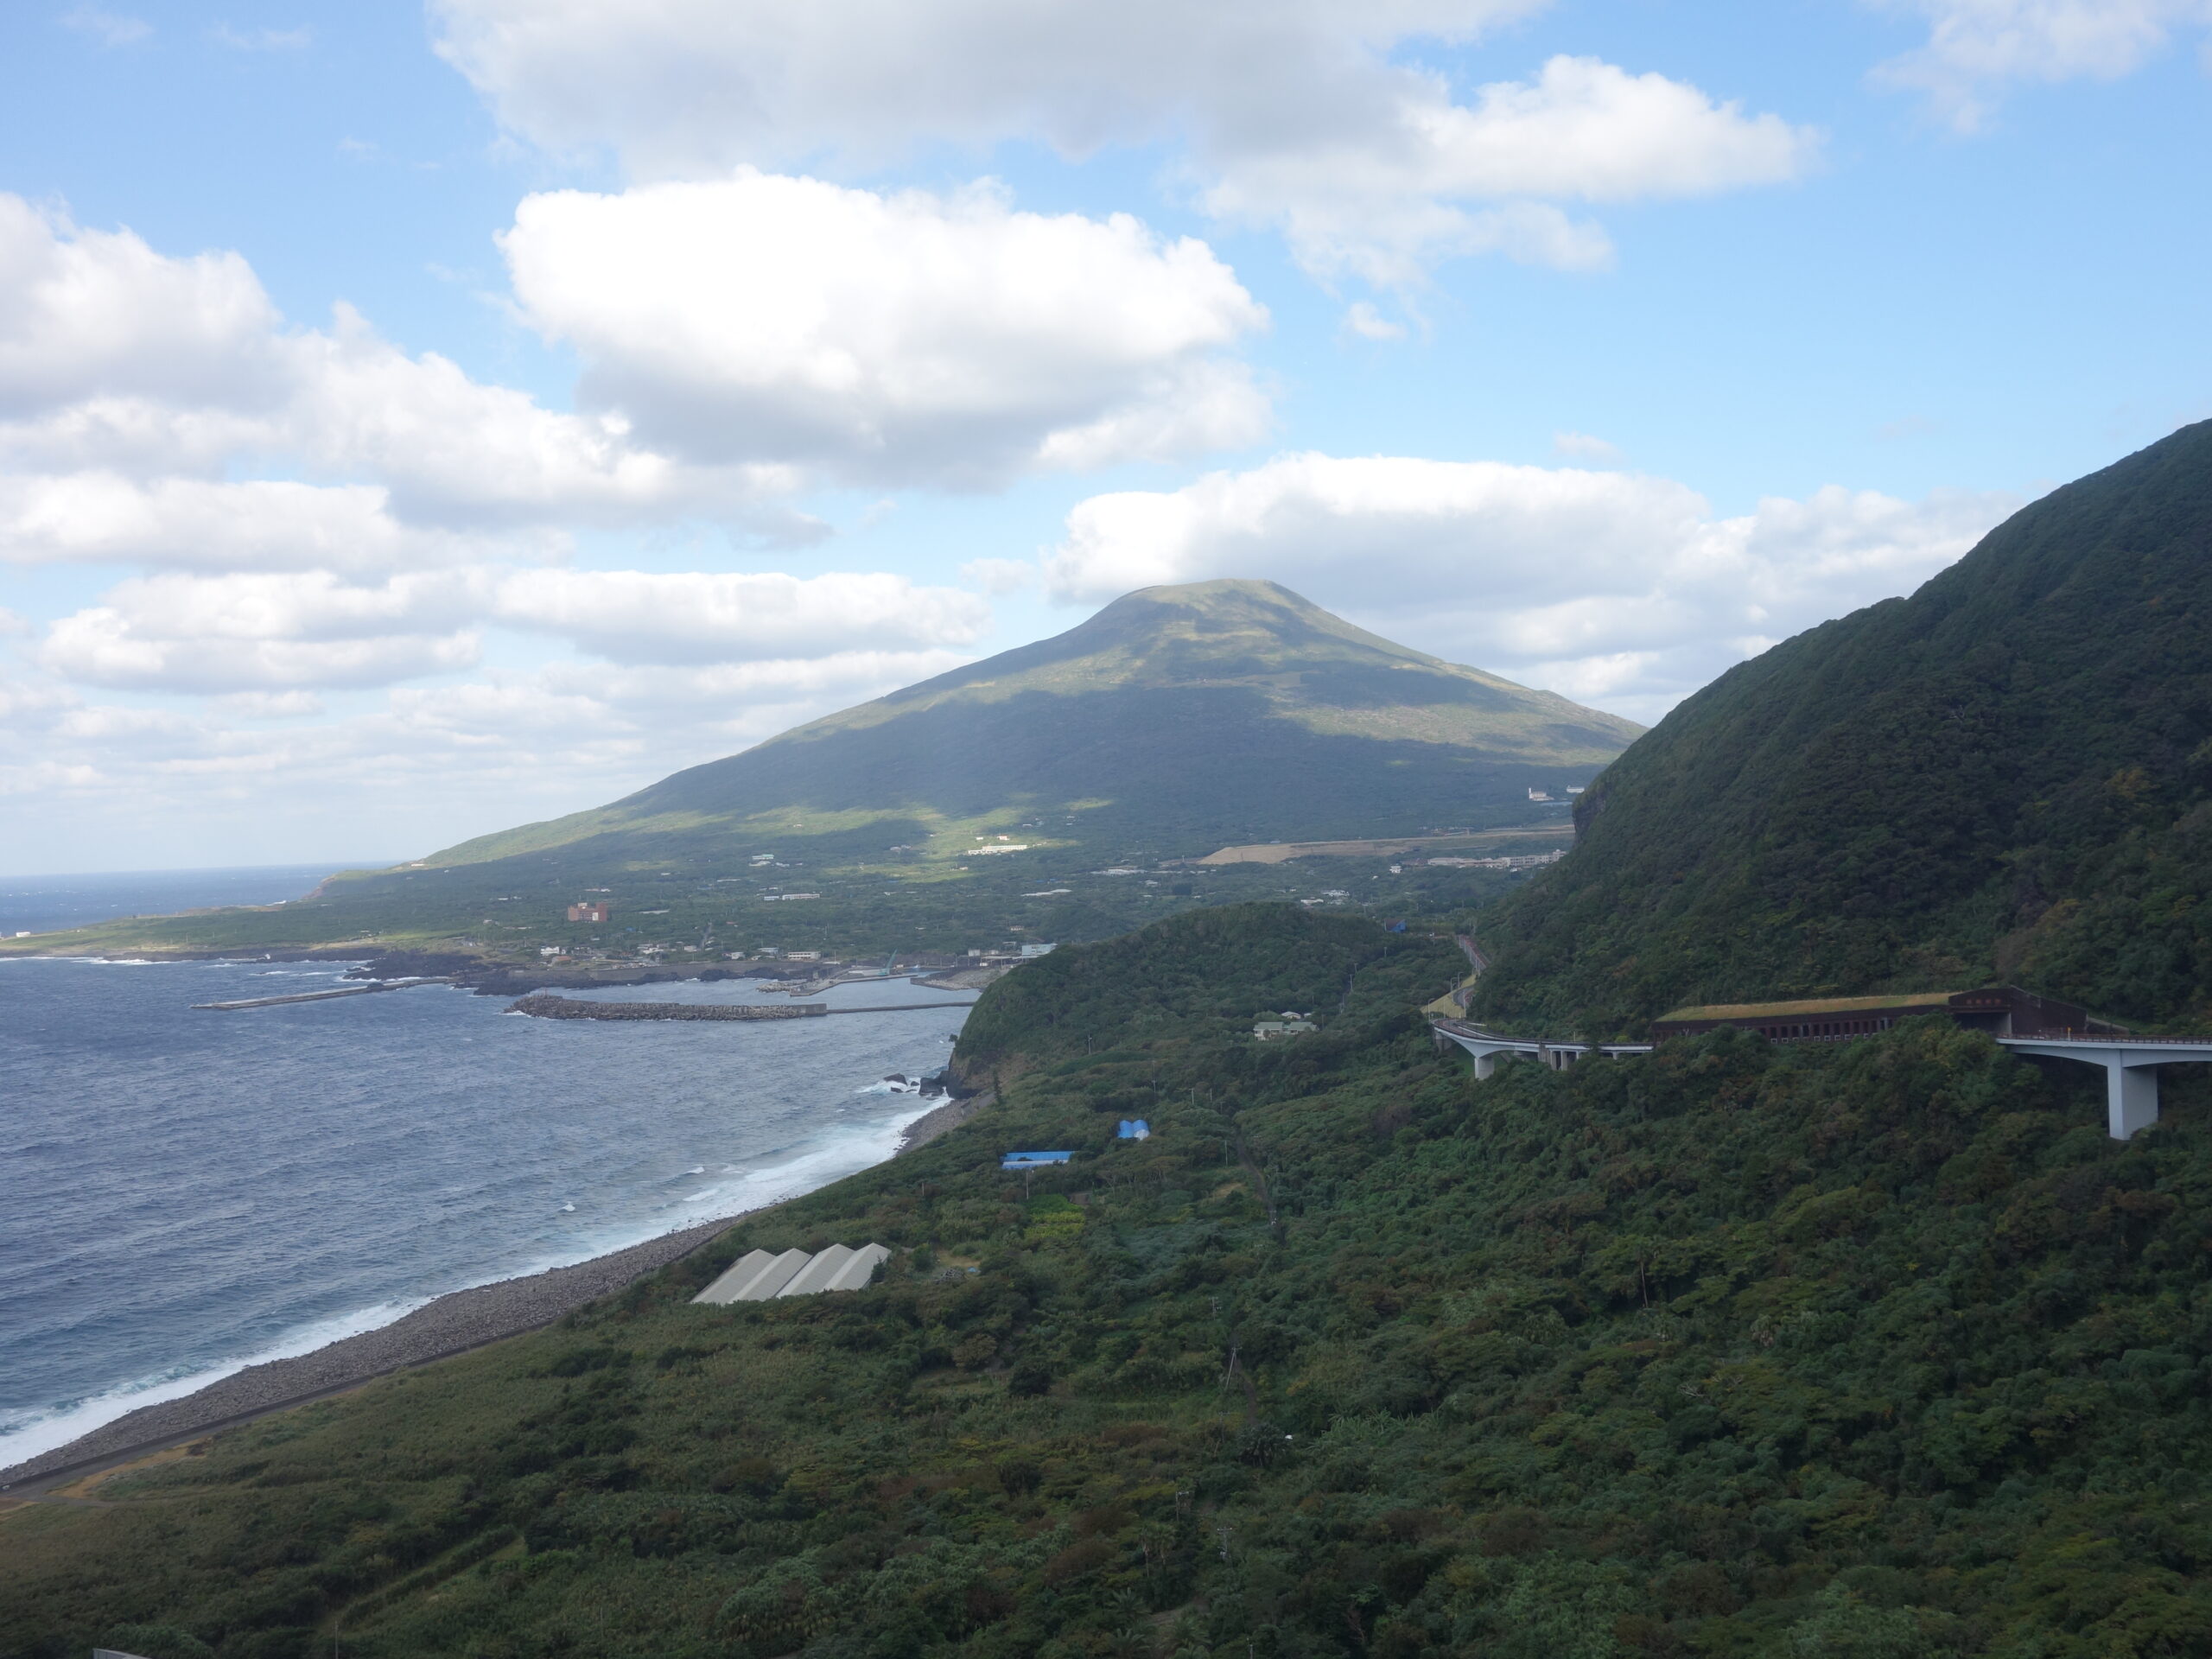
point(1881, 1351)
point(2007, 774)
point(1192, 716)
point(1176, 721)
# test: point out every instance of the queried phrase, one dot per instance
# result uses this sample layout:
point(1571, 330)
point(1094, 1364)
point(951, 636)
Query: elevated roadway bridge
point(2130, 1063)
point(1487, 1046)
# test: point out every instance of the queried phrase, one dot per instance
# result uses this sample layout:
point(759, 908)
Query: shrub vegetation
point(2007, 775)
point(1872, 1348)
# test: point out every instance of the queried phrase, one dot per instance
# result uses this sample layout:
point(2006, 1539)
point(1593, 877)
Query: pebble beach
point(452, 1324)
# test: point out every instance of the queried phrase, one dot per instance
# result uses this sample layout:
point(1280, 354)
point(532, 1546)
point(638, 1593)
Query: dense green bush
point(2007, 775)
point(1876, 1349)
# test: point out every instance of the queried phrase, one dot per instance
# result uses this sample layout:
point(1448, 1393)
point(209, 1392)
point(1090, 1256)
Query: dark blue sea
point(182, 1193)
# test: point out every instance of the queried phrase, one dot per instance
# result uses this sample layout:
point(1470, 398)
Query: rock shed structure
point(2000, 1010)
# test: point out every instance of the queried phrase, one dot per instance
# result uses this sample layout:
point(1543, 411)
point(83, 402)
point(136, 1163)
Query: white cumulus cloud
point(338, 544)
point(104, 518)
point(1442, 178)
point(245, 631)
point(690, 87)
point(1305, 116)
point(261, 632)
point(1976, 49)
point(885, 337)
point(1612, 585)
point(1361, 318)
point(634, 616)
point(118, 359)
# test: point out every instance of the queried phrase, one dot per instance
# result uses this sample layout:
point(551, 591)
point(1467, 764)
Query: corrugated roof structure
point(758, 1276)
point(818, 1273)
point(860, 1268)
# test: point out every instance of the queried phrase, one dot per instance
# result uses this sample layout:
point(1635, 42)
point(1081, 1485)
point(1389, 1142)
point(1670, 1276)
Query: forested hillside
point(1204, 980)
point(1876, 1351)
point(2008, 775)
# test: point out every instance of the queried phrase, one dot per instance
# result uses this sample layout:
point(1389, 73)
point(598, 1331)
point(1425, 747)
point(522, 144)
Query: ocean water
point(47, 904)
point(184, 1192)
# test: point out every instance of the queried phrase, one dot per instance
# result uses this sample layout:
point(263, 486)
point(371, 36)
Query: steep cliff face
point(2007, 774)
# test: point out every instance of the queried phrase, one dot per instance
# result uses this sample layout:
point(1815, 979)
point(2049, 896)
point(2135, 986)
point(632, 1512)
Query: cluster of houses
point(1522, 862)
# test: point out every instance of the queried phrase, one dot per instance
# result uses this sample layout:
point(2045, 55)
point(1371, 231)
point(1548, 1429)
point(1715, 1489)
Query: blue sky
point(412, 423)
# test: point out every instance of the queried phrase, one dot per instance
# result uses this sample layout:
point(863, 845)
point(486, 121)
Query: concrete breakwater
point(566, 1007)
point(313, 997)
point(547, 1006)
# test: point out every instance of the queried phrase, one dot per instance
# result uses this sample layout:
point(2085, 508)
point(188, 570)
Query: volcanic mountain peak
point(1308, 665)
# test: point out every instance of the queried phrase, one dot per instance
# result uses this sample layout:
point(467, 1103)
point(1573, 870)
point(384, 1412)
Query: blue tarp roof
point(1135, 1128)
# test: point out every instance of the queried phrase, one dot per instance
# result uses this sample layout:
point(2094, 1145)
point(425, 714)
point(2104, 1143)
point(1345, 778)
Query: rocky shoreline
point(944, 1119)
point(488, 977)
point(451, 1324)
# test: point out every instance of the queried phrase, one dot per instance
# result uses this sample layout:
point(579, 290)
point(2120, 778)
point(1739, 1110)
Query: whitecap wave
point(28, 1434)
point(820, 1137)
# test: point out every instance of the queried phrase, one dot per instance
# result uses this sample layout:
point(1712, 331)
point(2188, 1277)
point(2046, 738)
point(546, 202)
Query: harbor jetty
point(320, 996)
point(544, 1006)
point(548, 1007)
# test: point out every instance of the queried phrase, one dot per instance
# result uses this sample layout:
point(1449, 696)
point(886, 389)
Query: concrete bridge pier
point(2130, 1064)
point(1484, 1047)
point(2130, 1077)
point(2131, 1071)
point(2131, 1098)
